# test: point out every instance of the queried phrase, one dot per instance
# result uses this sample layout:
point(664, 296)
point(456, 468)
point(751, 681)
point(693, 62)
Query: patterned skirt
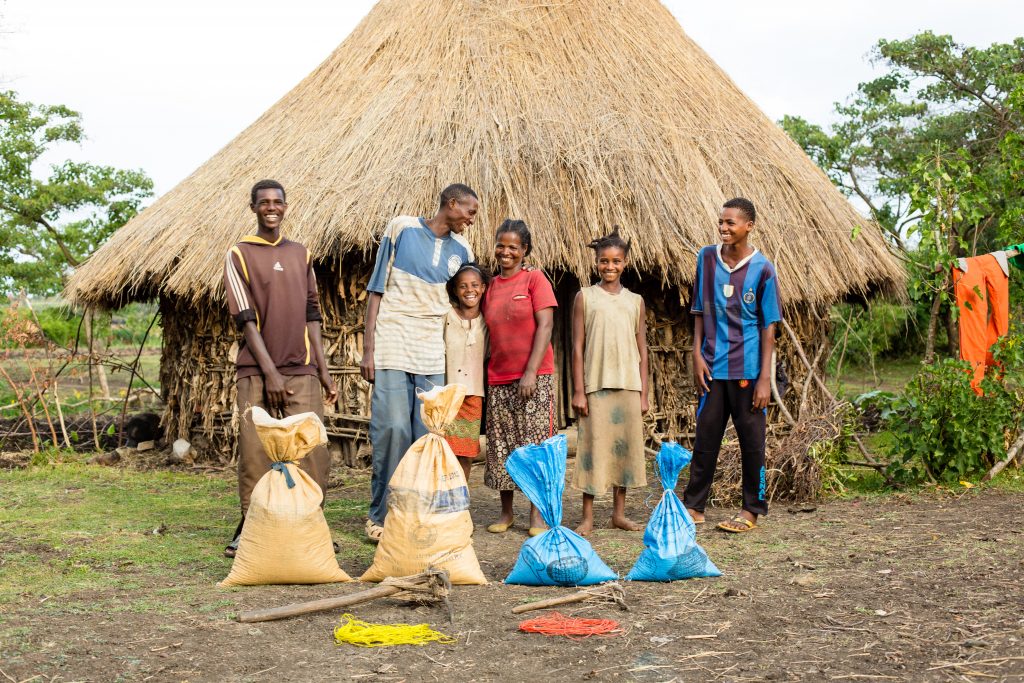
point(610, 447)
point(463, 433)
point(513, 422)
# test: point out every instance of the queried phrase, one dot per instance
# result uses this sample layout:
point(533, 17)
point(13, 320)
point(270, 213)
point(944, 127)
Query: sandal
point(373, 531)
point(231, 548)
point(737, 525)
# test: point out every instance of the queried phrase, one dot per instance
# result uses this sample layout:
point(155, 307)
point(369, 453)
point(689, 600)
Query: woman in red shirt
point(519, 311)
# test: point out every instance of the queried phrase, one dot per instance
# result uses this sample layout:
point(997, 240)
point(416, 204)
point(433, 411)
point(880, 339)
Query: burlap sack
point(285, 538)
point(428, 522)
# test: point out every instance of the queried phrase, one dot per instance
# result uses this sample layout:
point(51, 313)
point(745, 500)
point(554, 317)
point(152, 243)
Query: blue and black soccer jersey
point(736, 305)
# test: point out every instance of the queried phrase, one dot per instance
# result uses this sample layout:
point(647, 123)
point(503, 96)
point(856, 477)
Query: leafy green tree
point(48, 225)
point(935, 149)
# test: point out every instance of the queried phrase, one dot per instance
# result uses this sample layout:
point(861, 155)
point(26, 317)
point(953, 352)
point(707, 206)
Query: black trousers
point(726, 399)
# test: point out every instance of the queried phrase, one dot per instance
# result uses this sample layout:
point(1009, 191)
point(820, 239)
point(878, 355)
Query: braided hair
point(517, 227)
point(612, 239)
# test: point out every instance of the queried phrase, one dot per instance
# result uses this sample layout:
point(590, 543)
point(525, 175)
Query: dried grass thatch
point(572, 115)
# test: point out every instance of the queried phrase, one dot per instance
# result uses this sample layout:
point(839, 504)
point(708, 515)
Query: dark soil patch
point(923, 588)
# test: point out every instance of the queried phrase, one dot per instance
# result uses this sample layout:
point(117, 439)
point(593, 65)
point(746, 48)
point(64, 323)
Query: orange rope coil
point(557, 624)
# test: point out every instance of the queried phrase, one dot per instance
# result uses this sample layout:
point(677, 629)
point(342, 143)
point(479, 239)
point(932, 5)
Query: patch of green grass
point(69, 528)
point(1008, 480)
point(890, 374)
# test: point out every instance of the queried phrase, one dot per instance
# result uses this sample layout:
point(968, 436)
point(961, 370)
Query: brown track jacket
point(273, 285)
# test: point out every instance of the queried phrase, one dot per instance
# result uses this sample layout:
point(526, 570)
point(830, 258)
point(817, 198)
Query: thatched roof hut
point(573, 115)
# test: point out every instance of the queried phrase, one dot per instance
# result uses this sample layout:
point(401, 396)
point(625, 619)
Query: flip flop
point(738, 521)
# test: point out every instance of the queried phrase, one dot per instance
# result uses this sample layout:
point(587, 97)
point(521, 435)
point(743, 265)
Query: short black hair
point(611, 240)
point(458, 192)
point(514, 225)
point(454, 279)
point(266, 185)
point(744, 205)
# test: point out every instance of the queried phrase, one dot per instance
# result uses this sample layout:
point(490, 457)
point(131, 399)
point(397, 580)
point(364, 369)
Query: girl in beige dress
point(609, 372)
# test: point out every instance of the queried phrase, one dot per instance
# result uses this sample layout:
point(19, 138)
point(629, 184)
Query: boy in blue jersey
point(735, 305)
point(403, 343)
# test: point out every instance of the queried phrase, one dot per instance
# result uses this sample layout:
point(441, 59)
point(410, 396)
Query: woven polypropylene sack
point(670, 549)
point(428, 522)
point(559, 556)
point(285, 538)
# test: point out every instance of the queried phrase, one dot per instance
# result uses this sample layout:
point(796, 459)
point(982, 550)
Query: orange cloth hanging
point(983, 296)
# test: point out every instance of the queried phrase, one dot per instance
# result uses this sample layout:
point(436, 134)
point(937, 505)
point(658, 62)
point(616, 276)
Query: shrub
point(944, 432)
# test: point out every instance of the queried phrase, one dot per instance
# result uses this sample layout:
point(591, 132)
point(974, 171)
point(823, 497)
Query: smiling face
point(469, 289)
point(509, 252)
point(269, 209)
point(734, 226)
point(460, 213)
point(611, 262)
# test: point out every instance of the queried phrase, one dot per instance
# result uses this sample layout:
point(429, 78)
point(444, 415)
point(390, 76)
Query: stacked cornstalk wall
point(197, 370)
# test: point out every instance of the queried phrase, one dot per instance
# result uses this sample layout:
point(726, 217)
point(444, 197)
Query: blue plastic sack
point(559, 556)
point(671, 552)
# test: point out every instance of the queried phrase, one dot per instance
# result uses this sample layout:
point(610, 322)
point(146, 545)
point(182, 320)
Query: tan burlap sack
point(428, 522)
point(285, 538)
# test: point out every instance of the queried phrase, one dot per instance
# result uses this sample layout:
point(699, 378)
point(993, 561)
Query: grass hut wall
point(574, 116)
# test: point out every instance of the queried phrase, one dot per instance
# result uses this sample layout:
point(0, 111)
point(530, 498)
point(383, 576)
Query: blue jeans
point(394, 424)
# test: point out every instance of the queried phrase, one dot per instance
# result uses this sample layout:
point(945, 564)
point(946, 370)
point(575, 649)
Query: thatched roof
point(573, 115)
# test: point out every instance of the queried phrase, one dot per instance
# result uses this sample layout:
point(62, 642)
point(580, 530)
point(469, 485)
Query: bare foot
point(697, 517)
point(626, 524)
point(585, 527)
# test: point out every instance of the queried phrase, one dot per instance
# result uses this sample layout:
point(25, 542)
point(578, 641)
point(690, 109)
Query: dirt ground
point(927, 587)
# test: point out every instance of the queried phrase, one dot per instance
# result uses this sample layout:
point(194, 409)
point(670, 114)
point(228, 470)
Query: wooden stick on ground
point(1010, 455)
point(607, 591)
point(430, 586)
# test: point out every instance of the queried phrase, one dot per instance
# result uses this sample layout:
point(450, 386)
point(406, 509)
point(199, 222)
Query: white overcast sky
point(163, 85)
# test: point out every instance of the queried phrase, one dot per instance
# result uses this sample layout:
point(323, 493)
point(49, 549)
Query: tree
point(935, 149)
point(48, 226)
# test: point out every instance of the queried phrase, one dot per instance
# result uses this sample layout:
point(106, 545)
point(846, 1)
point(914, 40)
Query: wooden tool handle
point(552, 602)
point(298, 608)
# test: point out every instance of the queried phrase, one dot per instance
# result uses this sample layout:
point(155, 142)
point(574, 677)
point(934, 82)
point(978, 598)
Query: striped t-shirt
point(412, 267)
point(736, 303)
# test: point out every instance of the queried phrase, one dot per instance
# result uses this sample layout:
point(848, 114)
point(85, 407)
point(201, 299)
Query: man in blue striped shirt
point(735, 305)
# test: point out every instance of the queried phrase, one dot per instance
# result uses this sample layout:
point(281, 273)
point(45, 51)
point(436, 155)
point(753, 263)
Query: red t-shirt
point(508, 310)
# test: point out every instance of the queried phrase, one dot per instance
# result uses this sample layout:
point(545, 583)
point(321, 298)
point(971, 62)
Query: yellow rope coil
point(362, 634)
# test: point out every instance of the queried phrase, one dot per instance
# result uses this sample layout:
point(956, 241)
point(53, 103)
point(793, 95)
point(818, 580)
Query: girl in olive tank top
point(609, 372)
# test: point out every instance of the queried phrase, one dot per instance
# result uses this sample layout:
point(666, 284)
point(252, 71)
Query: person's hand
point(701, 375)
point(330, 389)
point(366, 365)
point(527, 384)
point(645, 405)
point(579, 404)
point(274, 388)
point(762, 393)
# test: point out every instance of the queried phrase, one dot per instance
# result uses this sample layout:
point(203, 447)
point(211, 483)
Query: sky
point(162, 86)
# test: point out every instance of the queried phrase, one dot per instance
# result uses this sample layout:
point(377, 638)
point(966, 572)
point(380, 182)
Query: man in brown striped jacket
point(272, 295)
